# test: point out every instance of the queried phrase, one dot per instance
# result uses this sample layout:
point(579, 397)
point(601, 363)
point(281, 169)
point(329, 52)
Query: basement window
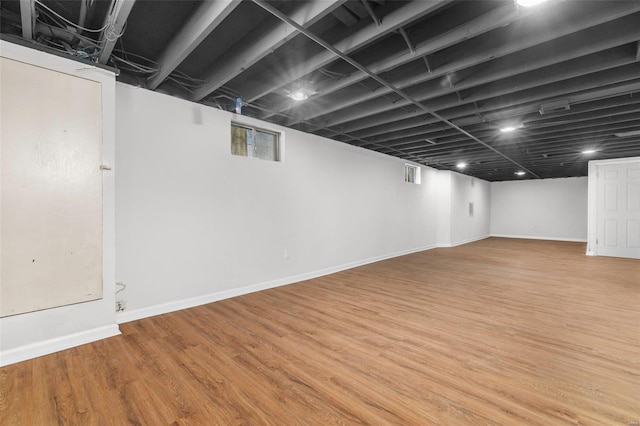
point(247, 141)
point(411, 174)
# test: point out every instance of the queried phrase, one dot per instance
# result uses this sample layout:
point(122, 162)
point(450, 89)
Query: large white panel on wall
point(51, 186)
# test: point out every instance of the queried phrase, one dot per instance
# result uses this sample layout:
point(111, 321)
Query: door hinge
point(596, 241)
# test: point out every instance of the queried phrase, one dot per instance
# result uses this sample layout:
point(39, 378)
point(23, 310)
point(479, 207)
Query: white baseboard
point(528, 237)
point(34, 350)
point(459, 243)
point(177, 305)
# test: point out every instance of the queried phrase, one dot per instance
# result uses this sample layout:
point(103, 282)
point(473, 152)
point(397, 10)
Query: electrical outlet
point(121, 305)
point(287, 255)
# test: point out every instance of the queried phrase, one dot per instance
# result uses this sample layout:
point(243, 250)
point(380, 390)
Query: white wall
point(32, 334)
point(465, 190)
point(195, 223)
point(443, 208)
point(554, 209)
point(455, 225)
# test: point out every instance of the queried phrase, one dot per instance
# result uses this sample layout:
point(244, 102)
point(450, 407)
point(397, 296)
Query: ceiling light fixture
point(520, 173)
point(461, 165)
point(529, 3)
point(589, 151)
point(301, 91)
point(507, 129)
point(298, 95)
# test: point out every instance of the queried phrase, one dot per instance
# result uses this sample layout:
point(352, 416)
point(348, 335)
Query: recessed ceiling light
point(461, 165)
point(301, 90)
point(299, 95)
point(520, 173)
point(507, 129)
point(589, 151)
point(530, 3)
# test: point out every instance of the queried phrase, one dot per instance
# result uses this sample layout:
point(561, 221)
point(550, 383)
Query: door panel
point(618, 210)
point(51, 189)
point(633, 232)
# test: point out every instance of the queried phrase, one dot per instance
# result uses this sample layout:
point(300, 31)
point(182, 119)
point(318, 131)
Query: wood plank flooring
point(500, 331)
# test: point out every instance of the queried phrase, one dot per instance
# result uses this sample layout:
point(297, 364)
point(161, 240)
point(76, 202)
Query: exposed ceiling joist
point(261, 45)
point(627, 30)
point(577, 113)
point(508, 68)
point(208, 16)
point(480, 25)
point(382, 81)
point(28, 18)
point(117, 18)
point(394, 20)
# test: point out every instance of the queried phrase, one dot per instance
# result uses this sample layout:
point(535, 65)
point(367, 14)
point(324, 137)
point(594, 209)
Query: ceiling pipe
point(275, 12)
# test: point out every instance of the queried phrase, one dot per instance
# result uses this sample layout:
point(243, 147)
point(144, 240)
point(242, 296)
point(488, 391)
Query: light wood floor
point(500, 331)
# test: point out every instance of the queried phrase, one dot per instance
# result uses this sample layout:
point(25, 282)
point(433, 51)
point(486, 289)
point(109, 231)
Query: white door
point(618, 203)
point(50, 189)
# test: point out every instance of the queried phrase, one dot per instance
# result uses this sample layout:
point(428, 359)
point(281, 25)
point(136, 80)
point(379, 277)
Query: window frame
point(417, 173)
point(257, 129)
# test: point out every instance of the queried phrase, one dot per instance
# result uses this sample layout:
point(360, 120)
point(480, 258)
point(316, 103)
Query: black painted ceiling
point(428, 81)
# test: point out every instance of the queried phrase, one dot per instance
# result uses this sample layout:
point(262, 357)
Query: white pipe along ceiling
point(511, 90)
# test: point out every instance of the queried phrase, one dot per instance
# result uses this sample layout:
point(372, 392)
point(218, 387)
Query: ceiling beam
point(380, 80)
point(391, 22)
point(577, 91)
point(566, 46)
point(494, 19)
point(577, 113)
point(28, 18)
point(208, 16)
point(575, 129)
point(586, 134)
point(499, 69)
point(260, 44)
point(117, 18)
point(523, 84)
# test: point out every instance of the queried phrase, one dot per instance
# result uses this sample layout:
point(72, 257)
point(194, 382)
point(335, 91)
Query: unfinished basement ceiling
point(428, 81)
